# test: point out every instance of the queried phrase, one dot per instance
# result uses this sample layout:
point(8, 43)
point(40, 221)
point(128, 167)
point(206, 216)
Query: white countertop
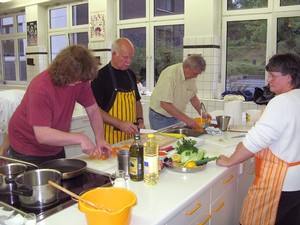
point(159, 203)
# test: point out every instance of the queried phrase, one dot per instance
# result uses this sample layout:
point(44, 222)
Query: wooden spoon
point(77, 196)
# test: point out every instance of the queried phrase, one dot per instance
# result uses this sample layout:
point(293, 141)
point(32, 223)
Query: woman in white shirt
point(274, 197)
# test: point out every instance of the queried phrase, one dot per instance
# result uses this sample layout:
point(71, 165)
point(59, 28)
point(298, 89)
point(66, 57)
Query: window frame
point(149, 22)
point(15, 36)
point(271, 13)
point(65, 30)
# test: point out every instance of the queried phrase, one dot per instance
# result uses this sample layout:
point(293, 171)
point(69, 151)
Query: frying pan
point(68, 168)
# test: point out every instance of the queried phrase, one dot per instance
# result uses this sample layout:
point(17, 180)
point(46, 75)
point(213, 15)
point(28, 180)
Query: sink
point(186, 131)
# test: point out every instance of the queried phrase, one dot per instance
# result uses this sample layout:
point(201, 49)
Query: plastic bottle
point(151, 160)
point(136, 159)
point(244, 118)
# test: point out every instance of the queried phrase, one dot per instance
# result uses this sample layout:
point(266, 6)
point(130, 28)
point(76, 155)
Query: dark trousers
point(37, 160)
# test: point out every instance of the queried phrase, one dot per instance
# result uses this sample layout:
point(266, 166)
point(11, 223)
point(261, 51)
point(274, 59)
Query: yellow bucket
point(118, 200)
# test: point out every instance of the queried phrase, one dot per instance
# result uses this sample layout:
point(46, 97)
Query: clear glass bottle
point(136, 159)
point(151, 160)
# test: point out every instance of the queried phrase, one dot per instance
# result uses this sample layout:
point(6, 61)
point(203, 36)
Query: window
point(13, 46)
point(7, 25)
point(253, 31)
point(163, 29)
point(246, 54)
point(288, 35)
point(246, 4)
point(168, 7)
point(132, 9)
point(168, 41)
point(289, 2)
point(68, 25)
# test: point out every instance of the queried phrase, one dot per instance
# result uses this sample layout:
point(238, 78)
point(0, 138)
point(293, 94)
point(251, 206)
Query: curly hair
point(287, 64)
point(74, 63)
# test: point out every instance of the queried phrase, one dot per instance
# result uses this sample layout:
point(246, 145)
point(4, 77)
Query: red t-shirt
point(45, 105)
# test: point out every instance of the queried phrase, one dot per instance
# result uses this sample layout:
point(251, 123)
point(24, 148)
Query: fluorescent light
point(3, 1)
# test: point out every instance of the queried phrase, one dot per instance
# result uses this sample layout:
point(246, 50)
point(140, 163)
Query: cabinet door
point(244, 182)
point(197, 208)
point(79, 125)
point(224, 208)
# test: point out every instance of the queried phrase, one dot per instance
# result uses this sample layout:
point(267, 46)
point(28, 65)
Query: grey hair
point(195, 61)
point(116, 45)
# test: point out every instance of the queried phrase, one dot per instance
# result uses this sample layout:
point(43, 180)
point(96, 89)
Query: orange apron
point(123, 107)
point(261, 203)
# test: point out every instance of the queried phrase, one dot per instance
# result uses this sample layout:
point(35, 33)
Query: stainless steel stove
point(88, 180)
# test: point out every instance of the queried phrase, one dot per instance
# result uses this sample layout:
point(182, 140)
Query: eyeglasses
point(272, 77)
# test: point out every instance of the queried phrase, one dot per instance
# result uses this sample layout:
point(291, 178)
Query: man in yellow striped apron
point(274, 197)
point(115, 90)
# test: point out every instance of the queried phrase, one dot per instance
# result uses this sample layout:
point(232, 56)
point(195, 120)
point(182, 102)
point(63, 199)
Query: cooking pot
point(33, 188)
point(69, 168)
point(7, 174)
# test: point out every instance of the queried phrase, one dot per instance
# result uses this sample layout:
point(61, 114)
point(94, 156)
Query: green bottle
point(136, 159)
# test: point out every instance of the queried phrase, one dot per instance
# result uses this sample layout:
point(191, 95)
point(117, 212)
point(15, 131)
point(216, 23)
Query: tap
point(203, 109)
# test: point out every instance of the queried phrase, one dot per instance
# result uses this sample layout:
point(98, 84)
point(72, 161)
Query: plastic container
point(151, 160)
point(118, 200)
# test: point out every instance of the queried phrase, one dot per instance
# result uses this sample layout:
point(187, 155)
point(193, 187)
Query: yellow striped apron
point(261, 203)
point(123, 107)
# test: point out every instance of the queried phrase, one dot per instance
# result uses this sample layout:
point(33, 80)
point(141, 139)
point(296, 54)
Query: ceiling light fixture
point(3, 1)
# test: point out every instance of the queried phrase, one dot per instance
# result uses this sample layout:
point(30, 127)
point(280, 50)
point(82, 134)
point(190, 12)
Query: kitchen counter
point(158, 204)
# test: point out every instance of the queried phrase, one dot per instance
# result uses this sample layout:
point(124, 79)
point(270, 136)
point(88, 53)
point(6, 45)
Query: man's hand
point(128, 127)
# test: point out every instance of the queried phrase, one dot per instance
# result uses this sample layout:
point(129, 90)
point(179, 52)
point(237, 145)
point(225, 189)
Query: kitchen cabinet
point(79, 124)
point(215, 207)
point(199, 208)
point(246, 179)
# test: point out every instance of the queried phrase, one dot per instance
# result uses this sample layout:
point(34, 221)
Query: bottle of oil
point(136, 159)
point(151, 160)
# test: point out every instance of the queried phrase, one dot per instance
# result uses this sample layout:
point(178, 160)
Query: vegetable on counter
point(186, 144)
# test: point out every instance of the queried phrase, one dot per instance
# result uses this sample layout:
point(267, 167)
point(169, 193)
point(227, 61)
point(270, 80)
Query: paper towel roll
point(234, 109)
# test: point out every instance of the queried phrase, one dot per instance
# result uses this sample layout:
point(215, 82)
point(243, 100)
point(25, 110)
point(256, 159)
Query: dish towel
point(215, 131)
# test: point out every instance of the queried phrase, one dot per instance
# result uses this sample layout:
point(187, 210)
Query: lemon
point(190, 164)
point(176, 157)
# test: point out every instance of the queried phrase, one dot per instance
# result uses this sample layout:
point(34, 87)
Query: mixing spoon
point(77, 196)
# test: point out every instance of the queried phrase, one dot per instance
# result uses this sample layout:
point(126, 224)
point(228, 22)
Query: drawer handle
point(220, 207)
point(86, 120)
point(228, 180)
point(206, 220)
point(194, 210)
point(252, 171)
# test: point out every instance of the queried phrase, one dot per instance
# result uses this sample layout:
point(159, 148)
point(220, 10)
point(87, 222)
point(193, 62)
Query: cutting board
point(161, 140)
point(222, 142)
point(98, 164)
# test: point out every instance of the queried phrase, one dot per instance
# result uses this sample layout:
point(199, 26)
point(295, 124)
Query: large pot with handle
point(33, 188)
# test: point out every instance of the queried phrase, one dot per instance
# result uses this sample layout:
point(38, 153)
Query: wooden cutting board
point(161, 140)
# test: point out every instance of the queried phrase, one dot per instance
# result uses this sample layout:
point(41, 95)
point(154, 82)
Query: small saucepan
point(33, 188)
point(8, 172)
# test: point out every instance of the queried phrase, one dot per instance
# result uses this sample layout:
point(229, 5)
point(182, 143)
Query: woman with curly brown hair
point(40, 127)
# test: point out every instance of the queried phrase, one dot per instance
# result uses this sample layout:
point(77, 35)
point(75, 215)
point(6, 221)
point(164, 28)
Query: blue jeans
point(159, 121)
